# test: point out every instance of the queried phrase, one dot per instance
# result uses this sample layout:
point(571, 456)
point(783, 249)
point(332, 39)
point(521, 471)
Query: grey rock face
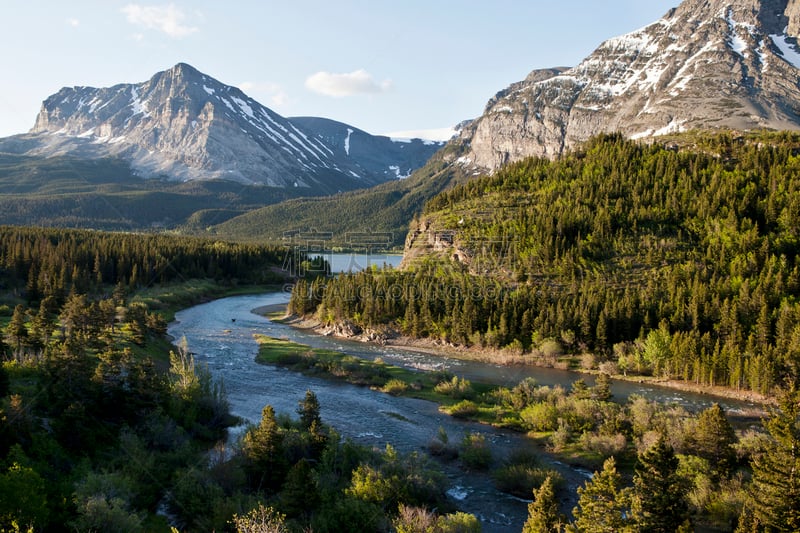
point(376, 154)
point(706, 64)
point(183, 125)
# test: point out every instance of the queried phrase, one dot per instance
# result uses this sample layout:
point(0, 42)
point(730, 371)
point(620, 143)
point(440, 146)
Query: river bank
point(277, 312)
point(221, 335)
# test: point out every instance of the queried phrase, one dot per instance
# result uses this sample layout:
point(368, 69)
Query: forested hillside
point(385, 208)
point(106, 194)
point(52, 262)
point(97, 419)
point(677, 259)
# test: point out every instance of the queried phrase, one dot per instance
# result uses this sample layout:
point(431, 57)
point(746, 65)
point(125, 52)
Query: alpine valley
point(634, 217)
point(114, 158)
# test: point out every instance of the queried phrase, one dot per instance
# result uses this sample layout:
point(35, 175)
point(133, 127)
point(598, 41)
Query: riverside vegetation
point(705, 472)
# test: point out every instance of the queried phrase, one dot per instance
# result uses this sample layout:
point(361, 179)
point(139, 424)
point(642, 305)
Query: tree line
point(50, 263)
point(680, 262)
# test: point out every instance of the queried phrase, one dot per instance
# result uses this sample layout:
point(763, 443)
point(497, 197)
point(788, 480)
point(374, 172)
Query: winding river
point(220, 334)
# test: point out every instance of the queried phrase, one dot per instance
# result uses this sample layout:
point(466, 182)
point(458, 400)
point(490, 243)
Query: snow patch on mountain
point(347, 141)
point(788, 50)
point(184, 125)
point(735, 40)
point(394, 169)
point(138, 106)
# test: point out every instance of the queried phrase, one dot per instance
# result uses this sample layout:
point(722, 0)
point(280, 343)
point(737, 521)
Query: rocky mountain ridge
point(184, 125)
point(376, 154)
point(706, 64)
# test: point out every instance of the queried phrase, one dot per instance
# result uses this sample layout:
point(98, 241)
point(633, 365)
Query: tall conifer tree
point(774, 500)
point(659, 503)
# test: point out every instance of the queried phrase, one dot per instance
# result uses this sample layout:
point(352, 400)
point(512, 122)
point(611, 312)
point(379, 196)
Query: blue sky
point(384, 66)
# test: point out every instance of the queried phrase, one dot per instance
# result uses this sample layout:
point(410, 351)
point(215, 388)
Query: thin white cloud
point(272, 91)
point(168, 19)
point(346, 84)
point(73, 22)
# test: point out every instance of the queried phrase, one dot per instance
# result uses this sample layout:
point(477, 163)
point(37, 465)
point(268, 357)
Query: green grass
point(326, 363)
point(330, 364)
point(169, 298)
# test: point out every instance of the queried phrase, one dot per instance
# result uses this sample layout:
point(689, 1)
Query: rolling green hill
point(105, 194)
point(385, 208)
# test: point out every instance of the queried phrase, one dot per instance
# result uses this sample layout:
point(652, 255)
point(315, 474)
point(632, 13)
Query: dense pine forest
point(49, 263)
point(649, 259)
point(96, 415)
point(677, 259)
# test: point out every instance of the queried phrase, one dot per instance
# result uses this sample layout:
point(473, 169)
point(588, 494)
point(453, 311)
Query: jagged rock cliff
point(706, 64)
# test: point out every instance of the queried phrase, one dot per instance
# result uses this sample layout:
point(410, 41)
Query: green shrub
point(560, 437)
point(605, 445)
point(475, 452)
point(348, 514)
point(521, 479)
point(458, 523)
point(523, 393)
point(540, 417)
point(440, 446)
point(261, 519)
point(395, 387)
point(418, 519)
point(414, 519)
point(522, 473)
point(462, 409)
point(456, 388)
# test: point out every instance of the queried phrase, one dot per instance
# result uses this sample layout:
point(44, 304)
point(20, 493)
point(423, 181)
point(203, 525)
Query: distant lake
point(357, 261)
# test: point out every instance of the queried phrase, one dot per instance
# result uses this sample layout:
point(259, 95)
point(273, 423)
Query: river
point(220, 334)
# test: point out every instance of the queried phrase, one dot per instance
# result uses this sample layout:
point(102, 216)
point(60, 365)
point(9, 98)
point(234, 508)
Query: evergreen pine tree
point(543, 515)
point(774, 500)
point(714, 439)
point(299, 494)
point(602, 387)
point(602, 504)
point(262, 448)
point(17, 330)
point(309, 410)
point(659, 503)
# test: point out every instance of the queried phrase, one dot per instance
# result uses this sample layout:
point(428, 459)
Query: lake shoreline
point(277, 312)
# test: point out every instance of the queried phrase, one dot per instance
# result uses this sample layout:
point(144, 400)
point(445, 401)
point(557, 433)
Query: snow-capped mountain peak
point(705, 64)
point(183, 124)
